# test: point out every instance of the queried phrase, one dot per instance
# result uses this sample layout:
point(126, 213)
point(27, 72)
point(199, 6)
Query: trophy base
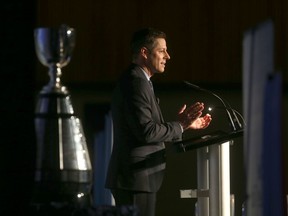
point(62, 194)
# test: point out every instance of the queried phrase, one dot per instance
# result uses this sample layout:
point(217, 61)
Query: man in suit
point(137, 162)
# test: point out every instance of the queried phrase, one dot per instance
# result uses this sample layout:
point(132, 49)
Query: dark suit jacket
point(138, 157)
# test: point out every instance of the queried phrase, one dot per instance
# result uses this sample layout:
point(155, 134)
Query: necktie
point(151, 85)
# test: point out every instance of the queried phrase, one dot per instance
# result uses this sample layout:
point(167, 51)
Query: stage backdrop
point(204, 38)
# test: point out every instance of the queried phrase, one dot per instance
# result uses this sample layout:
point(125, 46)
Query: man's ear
point(144, 52)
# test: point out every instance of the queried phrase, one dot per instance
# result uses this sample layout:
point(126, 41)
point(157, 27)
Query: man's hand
point(190, 117)
point(201, 122)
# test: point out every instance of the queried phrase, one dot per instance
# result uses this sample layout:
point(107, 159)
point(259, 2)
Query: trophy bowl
point(54, 47)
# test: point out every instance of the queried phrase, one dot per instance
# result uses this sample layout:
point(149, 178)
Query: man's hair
point(145, 38)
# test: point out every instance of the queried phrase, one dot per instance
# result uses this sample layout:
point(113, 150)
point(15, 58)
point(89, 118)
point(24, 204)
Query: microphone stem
point(227, 107)
point(231, 120)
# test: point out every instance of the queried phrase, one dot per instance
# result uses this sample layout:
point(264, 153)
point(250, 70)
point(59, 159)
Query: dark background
point(205, 44)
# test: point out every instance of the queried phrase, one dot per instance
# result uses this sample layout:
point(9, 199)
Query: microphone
point(234, 121)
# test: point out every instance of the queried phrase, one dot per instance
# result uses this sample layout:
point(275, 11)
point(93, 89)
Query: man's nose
point(167, 55)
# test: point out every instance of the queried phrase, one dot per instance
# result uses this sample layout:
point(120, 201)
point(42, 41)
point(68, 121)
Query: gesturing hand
point(201, 123)
point(190, 117)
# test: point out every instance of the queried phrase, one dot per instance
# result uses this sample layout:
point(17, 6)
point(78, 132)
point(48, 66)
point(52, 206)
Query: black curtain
point(17, 91)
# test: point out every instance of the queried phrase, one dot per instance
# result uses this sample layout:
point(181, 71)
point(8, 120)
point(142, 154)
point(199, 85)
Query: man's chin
point(161, 71)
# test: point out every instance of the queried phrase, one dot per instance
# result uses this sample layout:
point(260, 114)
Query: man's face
point(157, 57)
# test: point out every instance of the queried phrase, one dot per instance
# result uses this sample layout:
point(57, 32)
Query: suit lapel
point(156, 100)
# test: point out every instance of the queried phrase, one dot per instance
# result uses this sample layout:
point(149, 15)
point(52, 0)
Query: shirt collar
point(146, 75)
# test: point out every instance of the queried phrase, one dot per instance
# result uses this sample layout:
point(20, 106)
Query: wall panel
point(204, 38)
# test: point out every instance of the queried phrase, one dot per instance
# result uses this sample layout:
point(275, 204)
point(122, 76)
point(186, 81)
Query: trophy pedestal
point(63, 168)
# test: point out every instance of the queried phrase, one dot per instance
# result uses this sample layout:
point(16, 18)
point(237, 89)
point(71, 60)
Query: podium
point(213, 172)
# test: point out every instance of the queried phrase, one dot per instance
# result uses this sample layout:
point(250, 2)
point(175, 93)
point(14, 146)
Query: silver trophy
point(63, 168)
